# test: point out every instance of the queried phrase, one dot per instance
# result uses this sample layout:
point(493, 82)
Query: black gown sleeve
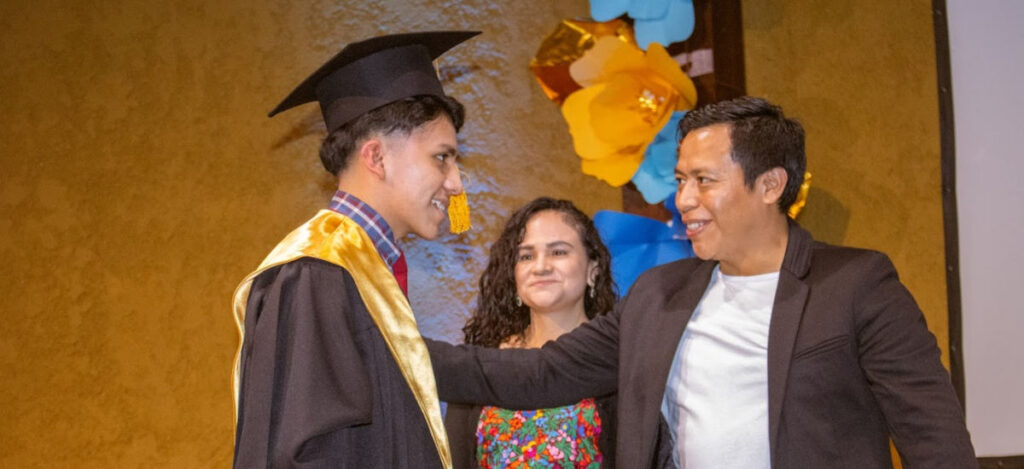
point(302, 375)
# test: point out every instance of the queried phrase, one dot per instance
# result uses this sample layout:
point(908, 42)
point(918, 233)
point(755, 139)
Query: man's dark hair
point(762, 138)
point(403, 116)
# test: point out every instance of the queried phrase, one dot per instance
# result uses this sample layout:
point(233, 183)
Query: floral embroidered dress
point(560, 437)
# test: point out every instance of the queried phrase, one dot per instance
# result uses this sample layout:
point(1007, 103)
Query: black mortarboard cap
point(368, 74)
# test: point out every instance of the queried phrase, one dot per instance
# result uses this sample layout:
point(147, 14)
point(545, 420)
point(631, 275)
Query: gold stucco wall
point(861, 77)
point(141, 180)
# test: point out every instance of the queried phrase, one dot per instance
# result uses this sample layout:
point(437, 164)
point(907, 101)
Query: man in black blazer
point(768, 350)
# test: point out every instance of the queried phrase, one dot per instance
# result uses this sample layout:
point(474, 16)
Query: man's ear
point(371, 156)
point(771, 183)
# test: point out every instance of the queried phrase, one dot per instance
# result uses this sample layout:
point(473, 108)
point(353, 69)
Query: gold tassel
point(458, 213)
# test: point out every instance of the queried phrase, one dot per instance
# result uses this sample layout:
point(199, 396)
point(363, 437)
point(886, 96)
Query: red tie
point(401, 271)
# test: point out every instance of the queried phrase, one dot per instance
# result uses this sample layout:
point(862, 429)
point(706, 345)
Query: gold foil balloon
point(566, 45)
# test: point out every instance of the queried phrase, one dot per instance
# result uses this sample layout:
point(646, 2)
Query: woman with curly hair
point(548, 272)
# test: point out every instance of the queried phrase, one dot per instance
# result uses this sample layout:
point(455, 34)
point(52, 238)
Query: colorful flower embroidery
point(560, 437)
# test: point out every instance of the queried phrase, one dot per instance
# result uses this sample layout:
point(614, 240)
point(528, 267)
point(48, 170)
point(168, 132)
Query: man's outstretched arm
point(582, 363)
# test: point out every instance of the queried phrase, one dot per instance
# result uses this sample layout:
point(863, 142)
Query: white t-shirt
point(716, 397)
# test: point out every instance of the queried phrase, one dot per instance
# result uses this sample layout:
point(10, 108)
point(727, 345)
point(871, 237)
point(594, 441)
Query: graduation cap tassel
point(458, 213)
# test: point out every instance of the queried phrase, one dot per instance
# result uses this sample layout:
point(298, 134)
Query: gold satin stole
point(337, 239)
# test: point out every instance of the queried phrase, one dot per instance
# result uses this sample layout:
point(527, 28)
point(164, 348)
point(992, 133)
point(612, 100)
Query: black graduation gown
point(319, 387)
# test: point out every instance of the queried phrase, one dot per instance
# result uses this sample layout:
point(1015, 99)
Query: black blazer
point(851, 363)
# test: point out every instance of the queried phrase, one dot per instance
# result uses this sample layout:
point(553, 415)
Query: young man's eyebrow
point(447, 149)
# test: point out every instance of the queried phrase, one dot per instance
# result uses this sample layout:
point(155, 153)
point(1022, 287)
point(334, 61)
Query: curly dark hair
point(762, 138)
point(403, 116)
point(496, 317)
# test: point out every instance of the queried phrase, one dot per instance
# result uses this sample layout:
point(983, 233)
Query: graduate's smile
point(424, 175)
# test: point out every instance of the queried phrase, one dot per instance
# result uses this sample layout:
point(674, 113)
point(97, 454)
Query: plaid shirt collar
point(371, 222)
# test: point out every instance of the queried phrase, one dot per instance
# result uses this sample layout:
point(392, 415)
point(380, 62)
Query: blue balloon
point(661, 21)
point(638, 243)
point(676, 26)
point(655, 178)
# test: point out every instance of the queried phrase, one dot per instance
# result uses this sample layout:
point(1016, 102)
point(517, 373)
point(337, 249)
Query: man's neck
point(370, 194)
point(372, 222)
point(361, 192)
point(764, 256)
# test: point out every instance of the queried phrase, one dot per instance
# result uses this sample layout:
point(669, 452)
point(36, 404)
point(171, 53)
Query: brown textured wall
point(861, 77)
point(141, 181)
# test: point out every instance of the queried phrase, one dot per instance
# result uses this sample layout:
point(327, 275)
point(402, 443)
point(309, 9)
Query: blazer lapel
point(669, 325)
point(672, 322)
point(787, 312)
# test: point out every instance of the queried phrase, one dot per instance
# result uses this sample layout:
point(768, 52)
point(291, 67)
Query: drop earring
point(519, 301)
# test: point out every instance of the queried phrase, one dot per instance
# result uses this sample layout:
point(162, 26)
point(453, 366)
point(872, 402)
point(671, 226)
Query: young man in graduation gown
point(332, 371)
